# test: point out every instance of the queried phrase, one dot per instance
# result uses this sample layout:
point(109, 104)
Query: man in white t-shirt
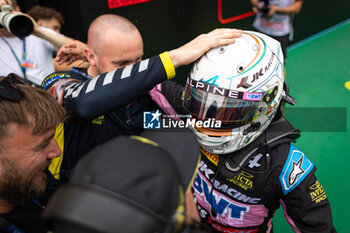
point(29, 57)
point(275, 18)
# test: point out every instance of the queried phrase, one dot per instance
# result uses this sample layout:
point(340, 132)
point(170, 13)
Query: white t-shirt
point(278, 24)
point(38, 61)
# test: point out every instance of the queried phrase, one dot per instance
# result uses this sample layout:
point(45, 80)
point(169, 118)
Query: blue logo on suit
point(294, 171)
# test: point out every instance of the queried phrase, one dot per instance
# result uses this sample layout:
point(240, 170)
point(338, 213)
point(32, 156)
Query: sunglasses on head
point(8, 88)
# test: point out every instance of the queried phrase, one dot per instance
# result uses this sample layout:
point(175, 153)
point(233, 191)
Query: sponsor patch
point(317, 193)
point(212, 157)
point(224, 188)
point(295, 170)
point(229, 212)
point(243, 180)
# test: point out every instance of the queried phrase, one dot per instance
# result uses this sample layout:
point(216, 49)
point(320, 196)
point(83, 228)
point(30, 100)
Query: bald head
point(113, 42)
point(105, 27)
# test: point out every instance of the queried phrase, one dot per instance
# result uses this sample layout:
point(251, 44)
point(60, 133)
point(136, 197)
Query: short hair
point(43, 12)
point(36, 107)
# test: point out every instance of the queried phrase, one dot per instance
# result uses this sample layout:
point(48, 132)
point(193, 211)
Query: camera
point(265, 8)
point(18, 24)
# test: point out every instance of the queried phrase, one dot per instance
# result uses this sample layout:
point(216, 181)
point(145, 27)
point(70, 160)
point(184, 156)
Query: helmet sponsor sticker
point(244, 83)
point(224, 92)
point(252, 96)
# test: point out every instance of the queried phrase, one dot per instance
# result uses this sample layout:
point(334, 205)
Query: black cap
point(182, 147)
point(130, 184)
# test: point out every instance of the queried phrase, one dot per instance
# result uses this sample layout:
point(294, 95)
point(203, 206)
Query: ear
point(40, 22)
point(90, 56)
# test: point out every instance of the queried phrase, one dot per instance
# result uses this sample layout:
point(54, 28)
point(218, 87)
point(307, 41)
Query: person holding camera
point(47, 17)
point(275, 18)
point(26, 49)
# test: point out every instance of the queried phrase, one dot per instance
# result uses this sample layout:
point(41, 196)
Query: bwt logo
point(151, 120)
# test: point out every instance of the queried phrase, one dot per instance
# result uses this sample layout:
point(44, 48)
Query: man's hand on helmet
point(194, 49)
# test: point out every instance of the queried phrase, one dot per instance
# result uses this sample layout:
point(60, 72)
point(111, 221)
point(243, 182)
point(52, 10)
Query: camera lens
point(18, 24)
point(21, 26)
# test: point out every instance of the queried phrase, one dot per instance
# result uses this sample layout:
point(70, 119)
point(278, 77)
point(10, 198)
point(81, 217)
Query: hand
point(255, 9)
point(5, 2)
point(273, 10)
point(4, 31)
point(193, 218)
point(255, 6)
point(71, 52)
point(194, 49)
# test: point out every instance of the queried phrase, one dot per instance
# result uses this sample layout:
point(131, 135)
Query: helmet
point(241, 85)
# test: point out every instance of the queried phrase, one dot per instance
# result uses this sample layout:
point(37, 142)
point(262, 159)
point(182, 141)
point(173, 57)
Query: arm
point(173, 92)
point(304, 201)
point(184, 55)
point(295, 8)
point(128, 83)
point(108, 91)
point(168, 96)
point(56, 40)
point(255, 5)
point(307, 208)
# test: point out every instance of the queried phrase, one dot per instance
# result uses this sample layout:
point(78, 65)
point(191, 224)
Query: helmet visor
point(232, 108)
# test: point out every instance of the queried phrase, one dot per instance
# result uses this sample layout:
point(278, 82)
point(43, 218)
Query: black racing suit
point(251, 184)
